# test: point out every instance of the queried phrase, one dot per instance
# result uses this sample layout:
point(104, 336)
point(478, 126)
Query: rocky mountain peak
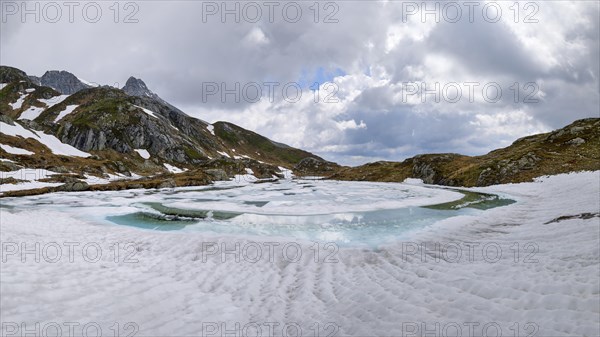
point(63, 81)
point(137, 87)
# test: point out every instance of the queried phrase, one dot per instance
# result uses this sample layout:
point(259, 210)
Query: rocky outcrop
point(63, 82)
point(10, 74)
point(312, 166)
point(75, 186)
point(217, 174)
point(111, 124)
point(35, 80)
point(572, 148)
point(137, 87)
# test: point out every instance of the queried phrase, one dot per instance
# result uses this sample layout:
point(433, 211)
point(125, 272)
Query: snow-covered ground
point(173, 169)
point(32, 113)
point(53, 143)
point(518, 271)
point(15, 150)
point(68, 109)
point(143, 153)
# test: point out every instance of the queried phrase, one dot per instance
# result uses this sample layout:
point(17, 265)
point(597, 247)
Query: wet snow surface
point(367, 273)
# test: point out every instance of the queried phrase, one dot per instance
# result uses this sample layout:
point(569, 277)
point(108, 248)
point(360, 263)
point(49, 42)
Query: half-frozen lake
point(348, 213)
point(531, 265)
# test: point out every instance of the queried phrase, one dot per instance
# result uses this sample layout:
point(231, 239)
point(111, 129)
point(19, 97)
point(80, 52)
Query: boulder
point(74, 186)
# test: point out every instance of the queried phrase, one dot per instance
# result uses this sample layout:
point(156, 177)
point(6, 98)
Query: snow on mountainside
point(109, 125)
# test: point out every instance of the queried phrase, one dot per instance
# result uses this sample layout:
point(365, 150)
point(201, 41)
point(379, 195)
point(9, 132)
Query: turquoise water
point(368, 227)
point(348, 213)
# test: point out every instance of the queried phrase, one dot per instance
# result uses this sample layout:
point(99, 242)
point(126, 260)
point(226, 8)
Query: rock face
point(576, 141)
point(35, 80)
point(217, 174)
point(109, 119)
point(111, 124)
point(10, 74)
point(137, 87)
point(75, 186)
point(63, 82)
point(312, 166)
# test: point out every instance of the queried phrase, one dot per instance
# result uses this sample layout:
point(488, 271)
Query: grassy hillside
point(575, 147)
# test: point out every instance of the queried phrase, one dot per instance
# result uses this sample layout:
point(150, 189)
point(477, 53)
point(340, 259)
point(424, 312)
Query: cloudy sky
point(380, 80)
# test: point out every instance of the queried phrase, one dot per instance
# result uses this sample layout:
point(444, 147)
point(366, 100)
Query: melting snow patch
point(173, 169)
point(55, 145)
point(224, 154)
point(50, 102)
point(94, 85)
point(93, 180)
point(413, 181)
point(143, 153)
point(66, 111)
point(211, 129)
point(30, 175)
point(244, 178)
point(249, 170)
point(149, 112)
point(287, 174)
point(30, 90)
point(15, 150)
point(2, 85)
point(31, 113)
point(18, 103)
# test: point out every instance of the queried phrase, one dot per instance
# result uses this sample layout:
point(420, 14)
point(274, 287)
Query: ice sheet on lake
point(171, 287)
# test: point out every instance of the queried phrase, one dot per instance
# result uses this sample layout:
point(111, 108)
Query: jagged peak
point(137, 87)
point(63, 81)
point(58, 72)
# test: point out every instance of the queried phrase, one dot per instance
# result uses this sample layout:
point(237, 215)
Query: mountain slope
point(575, 147)
point(125, 131)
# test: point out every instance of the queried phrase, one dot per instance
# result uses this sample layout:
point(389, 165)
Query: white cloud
point(175, 53)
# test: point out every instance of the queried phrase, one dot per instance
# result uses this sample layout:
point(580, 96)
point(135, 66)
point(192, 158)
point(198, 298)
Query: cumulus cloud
point(383, 63)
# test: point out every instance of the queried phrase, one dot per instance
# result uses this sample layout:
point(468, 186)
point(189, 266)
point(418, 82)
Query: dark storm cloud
point(486, 48)
point(175, 53)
